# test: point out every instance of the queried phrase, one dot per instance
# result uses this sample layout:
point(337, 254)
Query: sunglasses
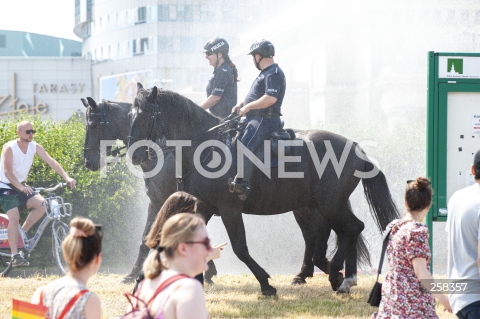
point(205, 242)
point(209, 53)
point(99, 228)
point(30, 131)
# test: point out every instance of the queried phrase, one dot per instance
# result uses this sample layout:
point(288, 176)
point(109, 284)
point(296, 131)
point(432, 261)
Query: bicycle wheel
point(60, 232)
point(5, 265)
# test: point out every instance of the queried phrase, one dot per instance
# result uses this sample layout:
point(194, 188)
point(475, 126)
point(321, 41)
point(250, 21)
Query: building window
point(187, 44)
point(207, 12)
point(165, 44)
point(163, 12)
point(87, 30)
point(140, 46)
point(184, 13)
point(3, 41)
point(141, 15)
point(144, 45)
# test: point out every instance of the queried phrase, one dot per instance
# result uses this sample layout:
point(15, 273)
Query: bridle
point(102, 115)
point(153, 116)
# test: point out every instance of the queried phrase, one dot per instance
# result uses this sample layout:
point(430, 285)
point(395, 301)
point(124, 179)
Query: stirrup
point(242, 189)
point(232, 183)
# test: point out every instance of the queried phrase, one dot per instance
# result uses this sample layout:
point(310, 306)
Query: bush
point(110, 201)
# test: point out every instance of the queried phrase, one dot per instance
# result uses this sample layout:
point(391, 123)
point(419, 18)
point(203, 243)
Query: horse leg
point(233, 221)
point(354, 229)
point(309, 238)
point(212, 270)
point(321, 245)
point(143, 250)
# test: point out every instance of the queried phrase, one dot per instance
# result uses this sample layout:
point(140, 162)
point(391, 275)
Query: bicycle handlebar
point(51, 189)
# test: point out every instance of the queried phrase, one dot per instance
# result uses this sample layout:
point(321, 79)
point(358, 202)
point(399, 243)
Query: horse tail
point(363, 255)
point(377, 193)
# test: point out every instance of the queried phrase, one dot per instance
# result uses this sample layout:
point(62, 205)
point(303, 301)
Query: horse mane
point(179, 108)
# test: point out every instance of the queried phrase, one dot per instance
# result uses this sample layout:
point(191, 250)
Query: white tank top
point(21, 162)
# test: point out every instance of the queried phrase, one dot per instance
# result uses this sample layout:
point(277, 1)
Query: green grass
point(232, 296)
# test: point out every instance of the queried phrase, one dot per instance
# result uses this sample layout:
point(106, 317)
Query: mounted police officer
point(222, 87)
point(261, 107)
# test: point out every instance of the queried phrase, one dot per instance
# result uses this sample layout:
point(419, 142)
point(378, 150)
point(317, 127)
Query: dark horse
point(168, 115)
point(110, 121)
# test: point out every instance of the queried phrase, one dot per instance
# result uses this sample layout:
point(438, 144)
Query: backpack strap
point(72, 302)
point(41, 298)
point(164, 285)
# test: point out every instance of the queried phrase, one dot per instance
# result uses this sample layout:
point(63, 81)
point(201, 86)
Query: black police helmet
point(263, 47)
point(216, 45)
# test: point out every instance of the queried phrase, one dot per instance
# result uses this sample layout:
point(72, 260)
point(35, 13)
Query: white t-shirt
point(22, 162)
point(463, 228)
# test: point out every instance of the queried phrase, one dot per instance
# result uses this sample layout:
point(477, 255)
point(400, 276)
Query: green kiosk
point(453, 126)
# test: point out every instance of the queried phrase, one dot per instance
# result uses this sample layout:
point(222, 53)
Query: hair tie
point(77, 232)
point(160, 248)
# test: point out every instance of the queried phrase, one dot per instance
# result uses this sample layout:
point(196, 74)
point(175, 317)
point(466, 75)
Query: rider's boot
point(239, 186)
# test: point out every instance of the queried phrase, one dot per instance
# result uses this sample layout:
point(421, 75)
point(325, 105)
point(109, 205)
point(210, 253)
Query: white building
point(41, 74)
point(47, 86)
point(154, 42)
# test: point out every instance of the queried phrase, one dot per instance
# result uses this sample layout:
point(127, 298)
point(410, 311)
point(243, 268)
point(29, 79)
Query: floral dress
point(57, 294)
point(403, 295)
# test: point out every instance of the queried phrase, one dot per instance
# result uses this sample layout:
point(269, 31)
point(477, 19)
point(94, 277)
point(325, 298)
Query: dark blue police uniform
point(262, 122)
point(223, 84)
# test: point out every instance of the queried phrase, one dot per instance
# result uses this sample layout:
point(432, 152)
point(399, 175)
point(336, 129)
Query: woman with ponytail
point(406, 288)
point(222, 87)
point(68, 297)
point(181, 251)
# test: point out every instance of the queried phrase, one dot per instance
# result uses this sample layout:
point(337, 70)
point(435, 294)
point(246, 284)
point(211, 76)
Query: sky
point(49, 17)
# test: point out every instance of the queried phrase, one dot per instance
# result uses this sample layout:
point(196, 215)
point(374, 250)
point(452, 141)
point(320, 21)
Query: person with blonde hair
point(68, 297)
point(404, 295)
point(181, 251)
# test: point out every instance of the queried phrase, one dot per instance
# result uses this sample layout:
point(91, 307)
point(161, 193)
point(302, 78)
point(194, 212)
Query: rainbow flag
point(26, 310)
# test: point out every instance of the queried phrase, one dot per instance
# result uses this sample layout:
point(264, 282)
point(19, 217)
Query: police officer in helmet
point(261, 107)
point(222, 87)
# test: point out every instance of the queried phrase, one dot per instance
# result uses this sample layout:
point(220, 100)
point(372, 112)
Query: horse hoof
point(270, 292)
point(209, 281)
point(347, 284)
point(342, 291)
point(127, 280)
point(336, 282)
point(298, 281)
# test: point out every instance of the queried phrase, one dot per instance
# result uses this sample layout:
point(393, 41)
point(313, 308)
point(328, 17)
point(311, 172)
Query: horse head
point(144, 117)
point(105, 121)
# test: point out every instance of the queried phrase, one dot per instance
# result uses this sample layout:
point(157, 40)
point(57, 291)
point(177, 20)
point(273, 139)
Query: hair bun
point(83, 224)
point(422, 183)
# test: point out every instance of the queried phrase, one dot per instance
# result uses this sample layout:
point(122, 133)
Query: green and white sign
point(458, 67)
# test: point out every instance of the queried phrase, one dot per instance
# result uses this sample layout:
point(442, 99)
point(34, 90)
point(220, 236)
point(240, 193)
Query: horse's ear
point(139, 86)
point(153, 95)
point(91, 102)
point(85, 103)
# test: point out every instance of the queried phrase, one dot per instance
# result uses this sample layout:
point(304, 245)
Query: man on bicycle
point(15, 163)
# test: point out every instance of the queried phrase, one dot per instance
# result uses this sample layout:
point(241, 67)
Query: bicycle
point(55, 208)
